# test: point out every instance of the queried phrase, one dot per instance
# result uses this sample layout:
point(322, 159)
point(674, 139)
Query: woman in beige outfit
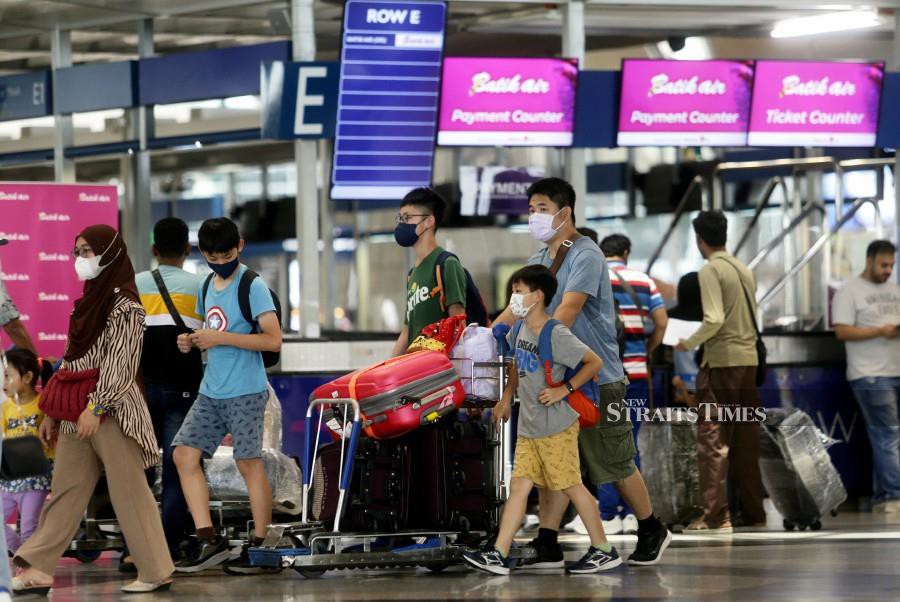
point(114, 434)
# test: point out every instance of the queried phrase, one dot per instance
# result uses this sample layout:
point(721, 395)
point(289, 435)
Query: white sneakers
point(630, 524)
point(888, 507)
point(614, 526)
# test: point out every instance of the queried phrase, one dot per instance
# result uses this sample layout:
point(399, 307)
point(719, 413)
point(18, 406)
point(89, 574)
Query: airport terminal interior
point(385, 170)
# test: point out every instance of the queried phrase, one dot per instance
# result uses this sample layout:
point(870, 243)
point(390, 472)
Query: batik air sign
point(507, 102)
point(816, 103)
point(41, 221)
point(685, 103)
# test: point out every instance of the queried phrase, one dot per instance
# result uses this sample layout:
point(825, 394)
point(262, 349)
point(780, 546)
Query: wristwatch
point(570, 387)
point(96, 409)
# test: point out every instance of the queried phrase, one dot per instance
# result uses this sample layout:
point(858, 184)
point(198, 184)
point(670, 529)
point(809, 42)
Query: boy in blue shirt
point(232, 396)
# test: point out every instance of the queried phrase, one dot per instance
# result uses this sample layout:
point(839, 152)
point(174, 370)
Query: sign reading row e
point(298, 99)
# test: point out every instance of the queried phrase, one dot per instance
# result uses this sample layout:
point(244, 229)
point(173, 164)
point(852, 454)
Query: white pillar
point(574, 158)
point(64, 132)
point(326, 219)
point(895, 66)
point(303, 36)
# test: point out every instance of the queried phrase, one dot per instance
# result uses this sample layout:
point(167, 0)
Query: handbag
point(761, 351)
point(23, 457)
point(441, 336)
point(66, 395)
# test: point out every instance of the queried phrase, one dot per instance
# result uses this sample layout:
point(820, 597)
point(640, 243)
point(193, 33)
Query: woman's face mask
point(517, 304)
point(541, 225)
point(88, 268)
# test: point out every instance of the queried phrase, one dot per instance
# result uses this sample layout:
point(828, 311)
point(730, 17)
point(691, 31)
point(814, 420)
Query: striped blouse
point(117, 353)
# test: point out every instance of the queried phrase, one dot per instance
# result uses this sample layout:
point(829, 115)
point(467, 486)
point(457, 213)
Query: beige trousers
point(78, 467)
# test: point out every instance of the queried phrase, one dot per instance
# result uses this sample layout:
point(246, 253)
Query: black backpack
point(270, 358)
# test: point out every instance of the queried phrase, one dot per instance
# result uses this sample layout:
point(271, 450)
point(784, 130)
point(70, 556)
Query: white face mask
point(89, 268)
point(517, 304)
point(541, 225)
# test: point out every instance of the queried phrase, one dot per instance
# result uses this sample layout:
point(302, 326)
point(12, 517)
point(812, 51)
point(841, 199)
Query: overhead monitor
point(507, 102)
point(684, 103)
point(815, 103)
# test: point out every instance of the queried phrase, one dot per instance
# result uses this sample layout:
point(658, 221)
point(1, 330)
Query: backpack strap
point(545, 350)
point(631, 293)
point(167, 299)
point(244, 285)
point(562, 252)
point(439, 276)
point(203, 293)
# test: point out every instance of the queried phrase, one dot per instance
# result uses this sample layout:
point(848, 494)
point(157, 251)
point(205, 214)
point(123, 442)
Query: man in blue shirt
point(232, 396)
point(584, 303)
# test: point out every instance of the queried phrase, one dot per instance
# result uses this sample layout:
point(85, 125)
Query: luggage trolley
point(311, 549)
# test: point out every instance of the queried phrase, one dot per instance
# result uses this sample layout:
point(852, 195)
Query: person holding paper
point(687, 314)
point(727, 377)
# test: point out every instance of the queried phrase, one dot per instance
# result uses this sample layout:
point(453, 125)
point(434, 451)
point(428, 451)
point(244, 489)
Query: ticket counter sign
point(507, 102)
point(685, 103)
point(40, 223)
point(816, 104)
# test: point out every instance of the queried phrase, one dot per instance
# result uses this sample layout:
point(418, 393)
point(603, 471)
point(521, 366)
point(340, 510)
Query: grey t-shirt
point(585, 271)
point(866, 304)
point(535, 419)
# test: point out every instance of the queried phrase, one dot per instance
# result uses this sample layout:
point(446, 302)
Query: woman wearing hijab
point(689, 308)
point(114, 433)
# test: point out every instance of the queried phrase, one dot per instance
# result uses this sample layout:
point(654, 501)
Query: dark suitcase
point(796, 469)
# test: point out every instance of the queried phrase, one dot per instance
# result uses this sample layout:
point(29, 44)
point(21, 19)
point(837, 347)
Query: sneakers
point(887, 507)
point(577, 525)
point(650, 546)
point(701, 526)
point(614, 526)
point(595, 561)
point(489, 560)
point(630, 524)
point(547, 556)
point(242, 566)
point(205, 555)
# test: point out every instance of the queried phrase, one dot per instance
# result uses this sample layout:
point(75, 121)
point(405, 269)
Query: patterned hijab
point(116, 278)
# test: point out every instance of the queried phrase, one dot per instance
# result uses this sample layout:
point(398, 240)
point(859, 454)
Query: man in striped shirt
point(172, 379)
point(640, 306)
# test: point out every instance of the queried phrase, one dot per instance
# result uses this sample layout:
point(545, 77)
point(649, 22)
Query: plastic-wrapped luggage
point(477, 346)
point(669, 465)
point(797, 470)
point(226, 483)
point(399, 395)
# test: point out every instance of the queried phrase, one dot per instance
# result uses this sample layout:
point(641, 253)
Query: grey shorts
point(209, 420)
point(8, 309)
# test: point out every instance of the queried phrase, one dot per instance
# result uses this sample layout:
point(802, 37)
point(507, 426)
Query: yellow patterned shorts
point(549, 462)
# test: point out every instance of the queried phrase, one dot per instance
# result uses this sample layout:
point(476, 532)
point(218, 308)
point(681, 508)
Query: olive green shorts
point(607, 450)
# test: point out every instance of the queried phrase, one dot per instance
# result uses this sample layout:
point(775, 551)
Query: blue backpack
point(586, 400)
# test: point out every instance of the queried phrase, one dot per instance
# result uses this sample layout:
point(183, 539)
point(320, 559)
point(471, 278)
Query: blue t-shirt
point(230, 371)
point(585, 271)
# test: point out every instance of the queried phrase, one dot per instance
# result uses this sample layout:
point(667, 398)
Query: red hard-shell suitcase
point(399, 395)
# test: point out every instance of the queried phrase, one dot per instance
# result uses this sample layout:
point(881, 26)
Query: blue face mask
point(224, 270)
point(405, 234)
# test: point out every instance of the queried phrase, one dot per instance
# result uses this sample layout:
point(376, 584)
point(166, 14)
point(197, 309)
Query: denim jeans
point(607, 494)
point(5, 577)
point(168, 408)
point(878, 399)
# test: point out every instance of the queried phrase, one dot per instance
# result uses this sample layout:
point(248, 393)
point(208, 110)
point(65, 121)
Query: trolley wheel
point(834, 512)
point(815, 525)
point(87, 556)
point(437, 568)
point(309, 572)
point(788, 525)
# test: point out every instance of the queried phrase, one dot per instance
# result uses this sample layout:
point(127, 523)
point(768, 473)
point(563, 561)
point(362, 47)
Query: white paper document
point(678, 330)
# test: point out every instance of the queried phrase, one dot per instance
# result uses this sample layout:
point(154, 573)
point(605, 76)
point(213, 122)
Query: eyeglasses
point(82, 252)
point(403, 218)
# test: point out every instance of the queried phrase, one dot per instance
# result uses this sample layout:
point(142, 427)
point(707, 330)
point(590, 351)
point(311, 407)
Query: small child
point(21, 417)
point(547, 444)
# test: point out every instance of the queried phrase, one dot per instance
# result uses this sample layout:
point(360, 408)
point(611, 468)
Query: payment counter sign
point(41, 221)
point(388, 98)
point(816, 103)
point(685, 103)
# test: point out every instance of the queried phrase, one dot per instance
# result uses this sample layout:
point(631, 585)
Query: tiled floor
point(855, 557)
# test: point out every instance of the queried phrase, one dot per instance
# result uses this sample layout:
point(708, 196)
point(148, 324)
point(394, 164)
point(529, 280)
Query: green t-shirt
point(423, 298)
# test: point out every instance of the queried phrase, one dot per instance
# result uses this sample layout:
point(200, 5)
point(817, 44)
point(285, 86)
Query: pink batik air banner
point(815, 103)
point(507, 102)
point(41, 222)
point(684, 103)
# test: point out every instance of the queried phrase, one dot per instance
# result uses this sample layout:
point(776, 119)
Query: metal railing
point(773, 184)
point(809, 208)
point(680, 209)
point(818, 246)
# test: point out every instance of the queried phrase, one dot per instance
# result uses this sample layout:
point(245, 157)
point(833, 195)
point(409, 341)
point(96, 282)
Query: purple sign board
point(815, 103)
point(507, 102)
point(684, 103)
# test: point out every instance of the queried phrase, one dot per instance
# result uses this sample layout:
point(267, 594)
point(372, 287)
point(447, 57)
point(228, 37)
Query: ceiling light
point(827, 23)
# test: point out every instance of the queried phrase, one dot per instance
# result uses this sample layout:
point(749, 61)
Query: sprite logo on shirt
point(417, 294)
